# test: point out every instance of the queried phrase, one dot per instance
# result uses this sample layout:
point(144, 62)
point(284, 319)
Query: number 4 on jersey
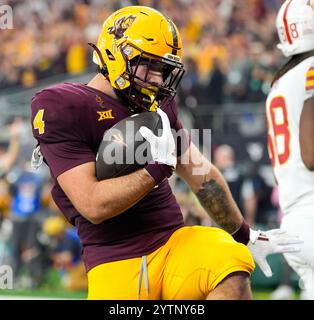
point(39, 123)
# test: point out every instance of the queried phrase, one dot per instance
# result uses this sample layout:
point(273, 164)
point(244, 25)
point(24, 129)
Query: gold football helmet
point(138, 35)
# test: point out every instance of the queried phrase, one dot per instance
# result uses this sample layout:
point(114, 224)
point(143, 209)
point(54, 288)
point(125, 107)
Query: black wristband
point(242, 234)
point(159, 171)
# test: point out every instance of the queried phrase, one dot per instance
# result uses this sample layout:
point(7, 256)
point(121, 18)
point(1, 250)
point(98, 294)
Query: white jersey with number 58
point(283, 110)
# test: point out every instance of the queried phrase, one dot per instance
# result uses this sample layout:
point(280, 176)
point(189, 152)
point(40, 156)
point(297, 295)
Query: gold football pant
point(189, 266)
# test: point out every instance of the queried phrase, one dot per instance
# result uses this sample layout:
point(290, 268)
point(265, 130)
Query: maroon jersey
point(69, 121)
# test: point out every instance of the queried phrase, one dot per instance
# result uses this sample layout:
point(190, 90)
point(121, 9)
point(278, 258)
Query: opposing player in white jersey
point(290, 119)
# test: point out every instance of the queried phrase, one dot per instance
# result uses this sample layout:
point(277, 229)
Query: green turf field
point(62, 294)
point(42, 294)
point(52, 287)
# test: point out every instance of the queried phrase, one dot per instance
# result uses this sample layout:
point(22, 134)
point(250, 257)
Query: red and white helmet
point(295, 27)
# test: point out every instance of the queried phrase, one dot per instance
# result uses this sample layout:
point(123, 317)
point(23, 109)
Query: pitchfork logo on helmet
point(120, 26)
point(295, 26)
point(134, 36)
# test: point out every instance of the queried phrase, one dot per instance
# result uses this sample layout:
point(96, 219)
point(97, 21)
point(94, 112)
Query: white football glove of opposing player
point(163, 147)
point(264, 243)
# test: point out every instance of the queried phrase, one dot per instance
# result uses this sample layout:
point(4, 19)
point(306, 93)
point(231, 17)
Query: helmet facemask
point(144, 94)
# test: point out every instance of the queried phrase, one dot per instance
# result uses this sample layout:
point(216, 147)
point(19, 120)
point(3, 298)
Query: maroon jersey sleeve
point(56, 126)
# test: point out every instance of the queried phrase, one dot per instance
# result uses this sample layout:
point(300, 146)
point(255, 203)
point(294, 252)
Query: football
point(123, 150)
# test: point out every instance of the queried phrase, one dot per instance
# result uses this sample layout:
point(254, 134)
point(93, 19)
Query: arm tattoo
point(216, 202)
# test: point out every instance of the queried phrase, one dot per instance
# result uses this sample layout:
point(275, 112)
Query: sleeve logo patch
point(104, 115)
point(100, 102)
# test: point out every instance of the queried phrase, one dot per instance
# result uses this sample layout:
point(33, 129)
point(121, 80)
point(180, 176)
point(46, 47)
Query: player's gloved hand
point(264, 243)
point(163, 147)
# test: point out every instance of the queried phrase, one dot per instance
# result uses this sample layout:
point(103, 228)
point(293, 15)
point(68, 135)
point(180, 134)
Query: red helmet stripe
point(285, 22)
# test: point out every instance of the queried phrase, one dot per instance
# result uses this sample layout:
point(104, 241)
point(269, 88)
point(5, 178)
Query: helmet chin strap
point(138, 99)
point(148, 92)
point(128, 103)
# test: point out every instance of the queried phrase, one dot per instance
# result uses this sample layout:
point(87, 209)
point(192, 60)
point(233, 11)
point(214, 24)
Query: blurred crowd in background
point(230, 57)
point(229, 45)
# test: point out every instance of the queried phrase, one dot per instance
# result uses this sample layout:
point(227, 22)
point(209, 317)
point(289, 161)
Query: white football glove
point(264, 243)
point(162, 148)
